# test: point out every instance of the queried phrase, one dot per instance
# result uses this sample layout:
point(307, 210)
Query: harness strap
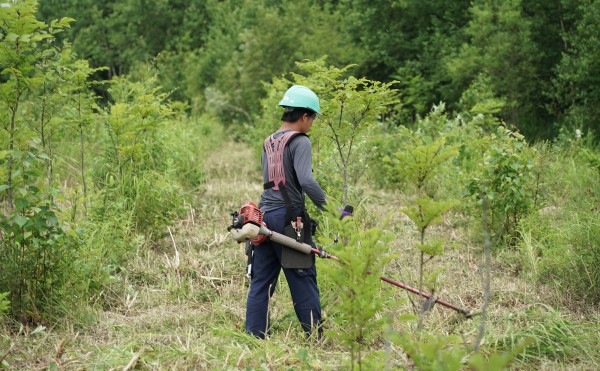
point(288, 201)
point(274, 149)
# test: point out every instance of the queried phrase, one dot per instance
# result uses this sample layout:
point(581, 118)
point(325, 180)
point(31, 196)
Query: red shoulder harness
point(274, 148)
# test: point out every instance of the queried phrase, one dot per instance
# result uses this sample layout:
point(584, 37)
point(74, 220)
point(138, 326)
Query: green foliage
point(501, 49)
point(511, 59)
point(415, 90)
point(49, 100)
point(538, 58)
point(46, 102)
point(439, 139)
point(576, 85)
point(425, 211)
point(135, 169)
point(506, 180)
point(417, 163)
point(82, 111)
point(357, 285)
point(23, 39)
point(448, 352)
point(4, 303)
point(249, 42)
point(562, 251)
point(591, 158)
point(104, 31)
point(408, 41)
point(434, 352)
point(36, 252)
point(479, 99)
point(498, 361)
point(420, 159)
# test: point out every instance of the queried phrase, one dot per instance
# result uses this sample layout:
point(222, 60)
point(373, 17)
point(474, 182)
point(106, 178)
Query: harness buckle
point(298, 225)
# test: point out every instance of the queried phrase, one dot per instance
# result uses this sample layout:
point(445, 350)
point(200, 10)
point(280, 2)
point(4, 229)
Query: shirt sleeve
point(303, 166)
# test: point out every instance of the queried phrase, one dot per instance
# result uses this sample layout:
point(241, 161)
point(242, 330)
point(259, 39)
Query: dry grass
point(182, 303)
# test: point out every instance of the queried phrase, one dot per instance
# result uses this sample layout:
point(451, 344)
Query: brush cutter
point(247, 225)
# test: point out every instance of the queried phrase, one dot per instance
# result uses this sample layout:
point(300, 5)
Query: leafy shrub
point(505, 178)
point(136, 168)
point(36, 253)
point(357, 285)
point(417, 165)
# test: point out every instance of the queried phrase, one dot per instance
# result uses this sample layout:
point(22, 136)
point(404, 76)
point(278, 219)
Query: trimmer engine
point(246, 224)
point(251, 214)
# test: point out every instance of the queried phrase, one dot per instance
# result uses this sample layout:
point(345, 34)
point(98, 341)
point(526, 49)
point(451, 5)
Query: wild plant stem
point(82, 152)
point(486, 274)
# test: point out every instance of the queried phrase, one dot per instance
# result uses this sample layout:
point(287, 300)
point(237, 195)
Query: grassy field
point(180, 304)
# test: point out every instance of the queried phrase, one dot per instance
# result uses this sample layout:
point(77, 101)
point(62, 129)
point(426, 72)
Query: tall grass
point(555, 338)
point(560, 242)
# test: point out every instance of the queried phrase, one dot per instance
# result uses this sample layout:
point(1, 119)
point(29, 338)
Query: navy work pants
point(266, 265)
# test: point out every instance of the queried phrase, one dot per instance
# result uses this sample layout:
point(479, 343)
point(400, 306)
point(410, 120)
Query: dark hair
point(293, 114)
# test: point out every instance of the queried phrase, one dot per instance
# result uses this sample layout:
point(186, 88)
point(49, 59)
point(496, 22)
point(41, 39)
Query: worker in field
point(287, 173)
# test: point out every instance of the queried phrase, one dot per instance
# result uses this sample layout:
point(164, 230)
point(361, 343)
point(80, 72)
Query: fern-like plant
point(417, 163)
point(356, 281)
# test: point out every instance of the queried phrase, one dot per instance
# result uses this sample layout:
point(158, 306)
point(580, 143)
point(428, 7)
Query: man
point(287, 172)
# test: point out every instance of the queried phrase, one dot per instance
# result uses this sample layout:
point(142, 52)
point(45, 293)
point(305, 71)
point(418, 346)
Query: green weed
point(554, 337)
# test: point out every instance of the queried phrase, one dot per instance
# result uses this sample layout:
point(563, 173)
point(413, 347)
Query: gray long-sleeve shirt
point(297, 159)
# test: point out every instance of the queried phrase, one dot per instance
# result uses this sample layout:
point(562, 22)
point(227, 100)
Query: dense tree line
point(537, 60)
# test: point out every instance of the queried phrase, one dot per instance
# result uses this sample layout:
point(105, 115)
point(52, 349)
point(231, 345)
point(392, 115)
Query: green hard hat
point(301, 97)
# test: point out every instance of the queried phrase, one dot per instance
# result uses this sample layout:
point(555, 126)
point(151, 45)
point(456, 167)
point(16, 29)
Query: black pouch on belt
point(291, 258)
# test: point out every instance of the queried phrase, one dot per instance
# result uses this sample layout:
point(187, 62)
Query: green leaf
point(65, 22)
point(4, 187)
point(53, 220)
point(21, 220)
point(40, 37)
point(433, 247)
point(21, 203)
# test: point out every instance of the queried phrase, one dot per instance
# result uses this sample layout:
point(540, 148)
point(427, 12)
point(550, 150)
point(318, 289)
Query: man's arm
point(303, 167)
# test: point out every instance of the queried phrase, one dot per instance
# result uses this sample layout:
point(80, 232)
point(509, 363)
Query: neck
point(288, 126)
